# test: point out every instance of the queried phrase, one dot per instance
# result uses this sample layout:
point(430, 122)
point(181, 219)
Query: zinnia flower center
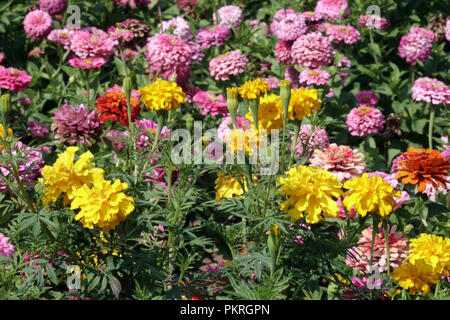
point(14, 71)
point(364, 110)
point(314, 73)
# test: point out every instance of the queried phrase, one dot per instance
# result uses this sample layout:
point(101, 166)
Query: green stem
point(386, 241)
point(430, 127)
point(438, 287)
point(374, 234)
point(294, 146)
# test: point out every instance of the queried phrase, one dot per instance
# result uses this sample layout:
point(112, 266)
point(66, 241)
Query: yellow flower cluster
point(429, 258)
point(252, 89)
point(302, 103)
point(102, 205)
point(2, 134)
point(228, 187)
point(270, 113)
point(370, 194)
point(312, 191)
point(162, 95)
point(240, 139)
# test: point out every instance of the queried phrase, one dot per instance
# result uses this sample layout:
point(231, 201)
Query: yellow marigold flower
point(252, 89)
point(2, 134)
point(240, 139)
point(370, 194)
point(432, 249)
point(416, 277)
point(103, 204)
point(302, 103)
point(228, 187)
point(310, 190)
point(65, 176)
point(270, 113)
point(162, 95)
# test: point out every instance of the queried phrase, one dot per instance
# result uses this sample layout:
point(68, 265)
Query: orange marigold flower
point(113, 106)
point(422, 167)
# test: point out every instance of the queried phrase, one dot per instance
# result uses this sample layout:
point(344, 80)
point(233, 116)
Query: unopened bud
point(189, 121)
point(127, 87)
point(232, 104)
point(285, 94)
point(5, 108)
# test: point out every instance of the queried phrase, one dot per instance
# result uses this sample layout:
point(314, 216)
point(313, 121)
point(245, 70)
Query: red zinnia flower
point(113, 106)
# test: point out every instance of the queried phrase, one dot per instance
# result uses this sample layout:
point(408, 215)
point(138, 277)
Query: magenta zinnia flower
point(314, 77)
point(335, 9)
point(37, 24)
point(343, 162)
point(210, 103)
point(147, 130)
point(318, 140)
point(228, 64)
point(364, 120)
point(6, 248)
point(229, 15)
point(339, 33)
point(430, 90)
point(14, 79)
point(37, 129)
point(288, 25)
point(76, 125)
point(416, 45)
point(367, 98)
point(212, 36)
point(53, 6)
point(168, 55)
point(312, 50)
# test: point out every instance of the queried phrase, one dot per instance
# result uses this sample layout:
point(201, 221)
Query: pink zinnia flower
point(229, 64)
point(364, 120)
point(373, 21)
point(168, 55)
point(314, 77)
point(343, 162)
point(53, 6)
point(311, 16)
point(229, 15)
point(227, 124)
point(147, 130)
point(196, 52)
point(92, 42)
point(416, 45)
point(283, 52)
point(335, 9)
point(339, 33)
point(179, 27)
point(212, 36)
point(6, 247)
point(87, 63)
point(37, 129)
point(60, 36)
point(210, 103)
point(120, 34)
point(312, 50)
point(431, 91)
point(359, 257)
point(288, 25)
point(362, 288)
point(14, 79)
point(272, 81)
point(128, 54)
point(367, 98)
point(132, 3)
point(318, 140)
point(37, 24)
point(292, 75)
point(351, 214)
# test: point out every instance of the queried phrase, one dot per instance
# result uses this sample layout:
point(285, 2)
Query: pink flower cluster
point(339, 33)
point(212, 36)
point(312, 50)
point(373, 21)
point(6, 247)
point(335, 9)
point(283, 52)
point(416, 45)
point(92, 42)
point(60, 36)
point(288, 25)
point(228, 64)
point(132, 3)
point(14, 79)
point(229, 16)
point(53, 6)
point(364, 120)
point(169, 55)
point(314, 77)
point(179, 27)
point(37, 24)
point(210, 103)
point(318, 140)
point(431, 91)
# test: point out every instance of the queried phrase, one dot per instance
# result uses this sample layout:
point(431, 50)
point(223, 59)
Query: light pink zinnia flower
point(364, 120)
point(168, 55)
point(416, 45)
point(87, 63)
point(212, 36)
point(60, 36)
point(359, 257)
point(14, 79)
point(92, 42)
point(229, 64)
point(311, 16)
point(343, 162)
point(227, 124)
point(339, 33)
point(318, 140)
point(229, 15)
point(312, 50)
point(430, 90)
point(288, 25)
point(210, 103)
point(120, 34)
point(179, 27)
point(373, 21)
point(272, 81)
point(314, 77)
point(6, 248)
point(283, 52)
point(53, 6)
point(335, 9)
point(37, 24)
point(367, 98)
